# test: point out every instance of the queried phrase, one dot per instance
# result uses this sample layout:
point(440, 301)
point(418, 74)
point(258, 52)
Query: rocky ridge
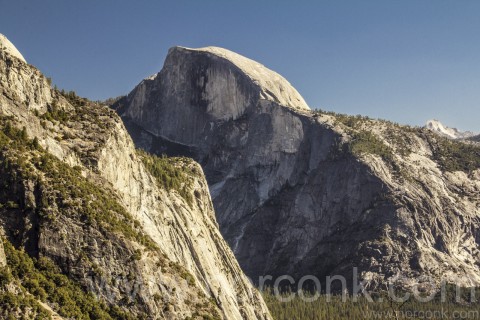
point(131, 238)
point(301, 192)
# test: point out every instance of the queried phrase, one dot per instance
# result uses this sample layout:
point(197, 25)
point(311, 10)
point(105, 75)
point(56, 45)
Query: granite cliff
point(304, 192)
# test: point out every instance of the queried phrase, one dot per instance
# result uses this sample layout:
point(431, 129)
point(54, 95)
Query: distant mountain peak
point(452, 133)
point(7, 46)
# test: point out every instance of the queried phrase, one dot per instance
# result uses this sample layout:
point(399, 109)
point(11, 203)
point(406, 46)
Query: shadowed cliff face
point(298, 192)
point(283, 191)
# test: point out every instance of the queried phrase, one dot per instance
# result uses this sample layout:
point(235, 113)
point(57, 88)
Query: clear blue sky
point(406, 61)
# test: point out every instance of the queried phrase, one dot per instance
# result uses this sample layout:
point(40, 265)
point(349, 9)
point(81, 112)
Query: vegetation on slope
point(95, 205)
point(63, 187)
point(42, 280)
point(363, 140)
point(454, 155)
point(170, 173)
point(83, 125)
point(55, 113)
point(21, 305)
point(366, 142)
point(15, 301)
point(451, 155)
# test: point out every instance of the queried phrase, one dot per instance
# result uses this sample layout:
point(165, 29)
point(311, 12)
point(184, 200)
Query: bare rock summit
point(7, 46)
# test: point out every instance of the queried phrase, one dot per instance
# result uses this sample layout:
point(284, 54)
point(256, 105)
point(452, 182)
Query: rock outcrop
point(76, 191)
point(311, 193)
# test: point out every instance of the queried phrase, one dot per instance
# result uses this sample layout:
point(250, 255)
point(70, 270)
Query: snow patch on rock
point(453, 133)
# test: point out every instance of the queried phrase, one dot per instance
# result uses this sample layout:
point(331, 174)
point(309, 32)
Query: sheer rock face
point(289, 196)
point(19, 82)
point(208, 85)
point(187, 234)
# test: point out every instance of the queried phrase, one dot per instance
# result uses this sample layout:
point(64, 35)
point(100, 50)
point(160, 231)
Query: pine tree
point(35, 143)
point(23, 134)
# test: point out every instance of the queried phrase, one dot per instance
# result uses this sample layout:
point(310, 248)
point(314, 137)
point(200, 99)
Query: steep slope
point(78, 197)
point(305, 193)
